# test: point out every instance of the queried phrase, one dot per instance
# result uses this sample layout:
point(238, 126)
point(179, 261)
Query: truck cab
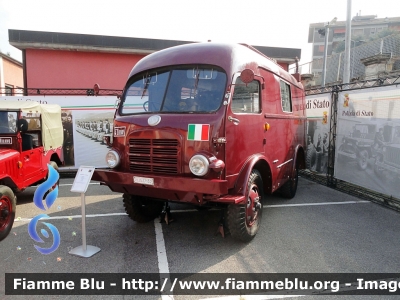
point(31, 136)
point(211, 125)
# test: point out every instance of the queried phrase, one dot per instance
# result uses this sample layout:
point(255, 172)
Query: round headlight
point(112, 158)
point(198, 165)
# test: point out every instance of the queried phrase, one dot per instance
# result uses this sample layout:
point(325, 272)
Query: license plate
point(143, 180)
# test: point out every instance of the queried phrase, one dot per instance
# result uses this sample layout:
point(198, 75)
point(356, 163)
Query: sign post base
point(82, 252)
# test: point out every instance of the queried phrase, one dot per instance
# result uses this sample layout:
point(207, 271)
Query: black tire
point(244, 221)
point(7, 210)
point(288, 190)
point(362, 159)
point(142, 209)
point(311, 158)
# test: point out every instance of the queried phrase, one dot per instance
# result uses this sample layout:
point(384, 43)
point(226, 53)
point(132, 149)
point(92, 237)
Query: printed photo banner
point(368, 139)
point(86, 120)
point(318, 126)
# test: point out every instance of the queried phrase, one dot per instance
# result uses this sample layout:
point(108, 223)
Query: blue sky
point(281, 23)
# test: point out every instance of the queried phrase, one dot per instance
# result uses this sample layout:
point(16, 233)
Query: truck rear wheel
point(288, 190)
point(243, 221)
point(7, 211)
point(142, 209)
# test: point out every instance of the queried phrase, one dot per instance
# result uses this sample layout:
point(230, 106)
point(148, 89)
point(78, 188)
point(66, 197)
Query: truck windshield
point(8, 122)
point(186, 89)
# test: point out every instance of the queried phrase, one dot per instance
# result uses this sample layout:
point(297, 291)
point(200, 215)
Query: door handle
point(234, 120)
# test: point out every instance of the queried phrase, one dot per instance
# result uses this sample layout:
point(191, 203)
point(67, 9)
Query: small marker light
point(266, 126)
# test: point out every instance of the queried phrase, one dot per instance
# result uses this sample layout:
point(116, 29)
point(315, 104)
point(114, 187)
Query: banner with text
point(368, 139)
point(318, 126)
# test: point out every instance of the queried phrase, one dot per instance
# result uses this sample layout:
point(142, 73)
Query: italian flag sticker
point(198, 132)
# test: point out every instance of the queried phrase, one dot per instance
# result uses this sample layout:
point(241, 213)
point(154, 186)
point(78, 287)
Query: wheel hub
point(253, 205)
point(4, 211)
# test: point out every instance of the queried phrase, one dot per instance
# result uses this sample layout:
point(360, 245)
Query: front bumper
point(178, 189)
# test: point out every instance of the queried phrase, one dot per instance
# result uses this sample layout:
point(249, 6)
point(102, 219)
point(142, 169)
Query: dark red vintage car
point(208, 124)
point(31, 137)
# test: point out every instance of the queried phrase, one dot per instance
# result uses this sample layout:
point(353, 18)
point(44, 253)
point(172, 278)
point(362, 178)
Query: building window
point(246, 97)
point(9, 90)
point(321, 48)
point(358, 32)
point(286, 97)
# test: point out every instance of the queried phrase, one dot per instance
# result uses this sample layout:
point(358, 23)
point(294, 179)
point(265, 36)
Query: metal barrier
point(329, 179)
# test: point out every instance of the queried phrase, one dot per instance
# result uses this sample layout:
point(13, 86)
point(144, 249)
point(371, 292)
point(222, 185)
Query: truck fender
point(259, 162)
point(299, 158)
point(7, 181)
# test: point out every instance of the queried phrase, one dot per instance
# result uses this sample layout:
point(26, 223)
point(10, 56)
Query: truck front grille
point(154, 156)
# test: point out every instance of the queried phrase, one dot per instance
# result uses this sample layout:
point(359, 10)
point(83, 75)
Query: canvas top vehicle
point(357, 145)
point(31, 137)
point(207, 124)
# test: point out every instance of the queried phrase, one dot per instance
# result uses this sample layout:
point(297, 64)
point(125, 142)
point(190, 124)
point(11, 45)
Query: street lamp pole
point(325, 55)
point(346, 72)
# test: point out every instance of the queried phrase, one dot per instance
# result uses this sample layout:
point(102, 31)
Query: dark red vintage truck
point(208, 124)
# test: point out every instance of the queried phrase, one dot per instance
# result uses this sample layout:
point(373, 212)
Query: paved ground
point(319, 231)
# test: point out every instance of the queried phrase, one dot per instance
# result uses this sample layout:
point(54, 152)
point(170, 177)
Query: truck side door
point(244, 126)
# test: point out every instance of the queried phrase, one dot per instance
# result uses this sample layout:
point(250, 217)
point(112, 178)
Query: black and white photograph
point(91, 128)
point(368, 139)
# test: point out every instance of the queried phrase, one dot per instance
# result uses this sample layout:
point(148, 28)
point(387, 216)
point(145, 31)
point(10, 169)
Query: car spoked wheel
point(243, 221)
point(7, 211)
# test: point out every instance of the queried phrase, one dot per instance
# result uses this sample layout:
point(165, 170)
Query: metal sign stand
point(80, 185)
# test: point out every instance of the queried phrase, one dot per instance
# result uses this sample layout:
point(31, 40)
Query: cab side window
point(286, 97)
point(246, 98)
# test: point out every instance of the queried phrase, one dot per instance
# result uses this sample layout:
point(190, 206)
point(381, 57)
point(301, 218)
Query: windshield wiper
point(196, 83)
point(146, 85)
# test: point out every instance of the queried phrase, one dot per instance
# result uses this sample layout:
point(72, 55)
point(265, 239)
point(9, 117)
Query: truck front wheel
point(243, 221)
point(142, 209)
point(7, 211)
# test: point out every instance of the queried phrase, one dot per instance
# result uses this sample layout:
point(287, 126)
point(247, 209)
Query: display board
point(85, 120)
point(368, 139)
point(318, 126)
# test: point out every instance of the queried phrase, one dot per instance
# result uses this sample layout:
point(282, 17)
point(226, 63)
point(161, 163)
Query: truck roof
point(231, 57)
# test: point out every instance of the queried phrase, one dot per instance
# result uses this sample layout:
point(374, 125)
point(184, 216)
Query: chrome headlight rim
point(117, 159)
point(204, 160)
